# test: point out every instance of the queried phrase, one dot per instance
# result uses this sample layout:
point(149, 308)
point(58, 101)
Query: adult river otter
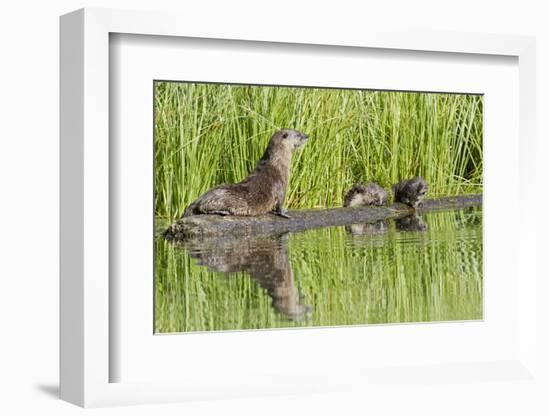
point(263, 190)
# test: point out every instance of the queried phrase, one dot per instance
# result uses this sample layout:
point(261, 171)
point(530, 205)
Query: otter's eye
point(285, 135)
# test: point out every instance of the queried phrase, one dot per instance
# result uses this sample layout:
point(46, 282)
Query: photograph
point(292, 207)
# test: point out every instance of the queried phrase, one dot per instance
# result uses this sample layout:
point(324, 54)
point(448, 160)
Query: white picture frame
point(85, 216)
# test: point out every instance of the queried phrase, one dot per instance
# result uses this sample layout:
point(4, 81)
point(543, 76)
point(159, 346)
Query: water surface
point(416, 269)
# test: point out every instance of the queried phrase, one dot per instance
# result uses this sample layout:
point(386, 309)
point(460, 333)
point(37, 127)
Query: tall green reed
point(207, 134)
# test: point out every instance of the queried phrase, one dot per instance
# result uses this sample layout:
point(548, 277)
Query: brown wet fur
point(263, 191)
point(410, 191)
point(362, 195)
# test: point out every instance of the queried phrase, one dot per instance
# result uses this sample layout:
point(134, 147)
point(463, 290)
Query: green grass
point(208, 134)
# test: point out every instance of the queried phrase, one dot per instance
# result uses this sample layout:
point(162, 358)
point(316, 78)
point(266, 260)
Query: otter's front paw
point(282, 213)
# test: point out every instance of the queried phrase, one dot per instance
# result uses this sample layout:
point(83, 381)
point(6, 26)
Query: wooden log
point(300, 220)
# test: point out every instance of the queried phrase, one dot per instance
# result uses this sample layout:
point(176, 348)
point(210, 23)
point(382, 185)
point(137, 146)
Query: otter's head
point(290, 139)
point(418, 191)
point(420, 184)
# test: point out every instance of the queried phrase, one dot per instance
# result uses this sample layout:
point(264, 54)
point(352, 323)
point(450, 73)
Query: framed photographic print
point(285, 213)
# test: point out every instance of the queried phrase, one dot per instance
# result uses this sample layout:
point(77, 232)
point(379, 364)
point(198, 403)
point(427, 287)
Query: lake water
point(417, 269)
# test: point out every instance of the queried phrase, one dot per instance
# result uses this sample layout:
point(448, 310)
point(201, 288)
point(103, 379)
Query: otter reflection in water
point(413, 222)
point(378, 227)
point(264, 258)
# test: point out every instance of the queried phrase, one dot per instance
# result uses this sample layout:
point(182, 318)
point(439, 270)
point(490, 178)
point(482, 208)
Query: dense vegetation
point(207, 134)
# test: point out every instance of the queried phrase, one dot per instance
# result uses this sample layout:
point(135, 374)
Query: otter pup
point(263, 190)
point(369, 194)
point(410, 191)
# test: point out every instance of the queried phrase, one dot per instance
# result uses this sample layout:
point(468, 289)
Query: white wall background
point(29, 184)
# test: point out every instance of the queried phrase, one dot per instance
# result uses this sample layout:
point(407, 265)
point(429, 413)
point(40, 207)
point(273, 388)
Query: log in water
point(300, 220)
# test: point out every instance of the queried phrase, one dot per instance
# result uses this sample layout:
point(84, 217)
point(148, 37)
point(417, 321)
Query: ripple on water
point(420, 269)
